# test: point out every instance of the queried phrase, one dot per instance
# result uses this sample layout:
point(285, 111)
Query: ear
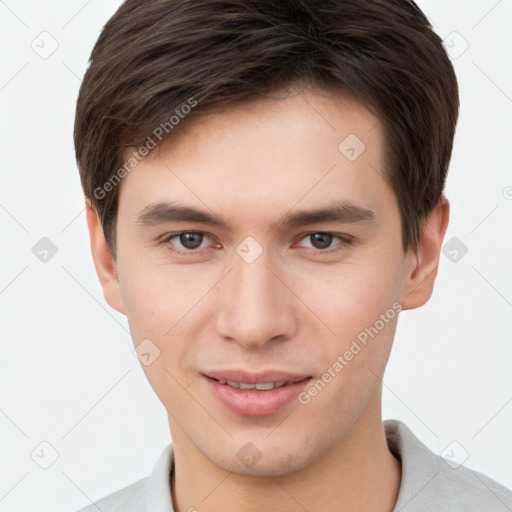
point(103, 261)
point(422, 264)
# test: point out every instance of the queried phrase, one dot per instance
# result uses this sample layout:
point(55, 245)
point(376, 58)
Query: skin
point(294, 308)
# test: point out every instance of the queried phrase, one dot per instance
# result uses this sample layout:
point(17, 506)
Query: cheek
point(360, 305)
point(161, 315)
point(156, 297)
point(349, 298)
point(165, 305)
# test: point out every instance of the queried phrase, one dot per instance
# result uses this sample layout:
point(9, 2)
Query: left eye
point(322, 241)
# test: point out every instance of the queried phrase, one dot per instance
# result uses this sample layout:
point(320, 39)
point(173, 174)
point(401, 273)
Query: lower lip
point(256, 403)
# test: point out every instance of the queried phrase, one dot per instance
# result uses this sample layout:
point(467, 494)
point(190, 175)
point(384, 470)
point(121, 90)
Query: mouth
point(259, 386)
point(256, 394)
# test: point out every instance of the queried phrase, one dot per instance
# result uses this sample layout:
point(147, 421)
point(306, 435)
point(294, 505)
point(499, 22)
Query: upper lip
point(255, 377)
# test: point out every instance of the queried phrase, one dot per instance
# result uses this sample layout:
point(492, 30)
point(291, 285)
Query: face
point(256, 288)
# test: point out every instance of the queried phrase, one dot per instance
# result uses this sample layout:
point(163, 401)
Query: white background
point(67, 372)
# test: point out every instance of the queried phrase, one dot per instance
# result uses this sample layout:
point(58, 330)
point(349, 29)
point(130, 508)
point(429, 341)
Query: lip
point(255, 377)
point(251, 402)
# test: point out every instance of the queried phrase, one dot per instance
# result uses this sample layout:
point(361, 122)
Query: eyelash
point(345, 241)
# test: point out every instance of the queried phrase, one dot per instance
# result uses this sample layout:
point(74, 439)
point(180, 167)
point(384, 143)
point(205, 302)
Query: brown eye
point(323, 243)
point(191, 240)
point(321, 240)
point(186, 242)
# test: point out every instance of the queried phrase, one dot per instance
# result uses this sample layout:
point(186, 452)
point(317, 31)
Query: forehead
point(267, 155)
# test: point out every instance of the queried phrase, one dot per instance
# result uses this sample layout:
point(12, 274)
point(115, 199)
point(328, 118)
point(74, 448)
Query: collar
point(419, 465)
point(158, 488)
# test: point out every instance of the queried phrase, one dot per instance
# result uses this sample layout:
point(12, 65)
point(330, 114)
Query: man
point(264, 185)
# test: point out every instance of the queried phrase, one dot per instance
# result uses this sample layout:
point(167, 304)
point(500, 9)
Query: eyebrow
point(343, 211)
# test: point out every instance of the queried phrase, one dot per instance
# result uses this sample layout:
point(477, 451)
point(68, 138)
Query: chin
point(248, 460)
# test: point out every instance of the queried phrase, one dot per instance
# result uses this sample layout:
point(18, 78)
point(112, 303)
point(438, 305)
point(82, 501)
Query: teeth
point(265, 386)
point(260, 386)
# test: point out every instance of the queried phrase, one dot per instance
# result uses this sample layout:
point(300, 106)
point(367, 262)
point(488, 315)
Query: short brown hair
point(155, 56)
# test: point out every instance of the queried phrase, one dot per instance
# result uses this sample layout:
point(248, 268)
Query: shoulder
point(429, 482)
point(469, 490)
point(150, 493)
point(128, 499)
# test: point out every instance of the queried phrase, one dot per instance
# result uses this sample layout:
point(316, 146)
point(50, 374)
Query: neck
point(358, 473)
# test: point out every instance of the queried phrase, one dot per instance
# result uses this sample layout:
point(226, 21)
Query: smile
point(259, 386)
point(258, 398)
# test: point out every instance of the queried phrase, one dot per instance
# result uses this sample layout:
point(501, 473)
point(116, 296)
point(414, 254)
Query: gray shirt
point(429, 483)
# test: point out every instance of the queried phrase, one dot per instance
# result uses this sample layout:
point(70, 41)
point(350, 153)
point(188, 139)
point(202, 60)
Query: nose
point(254, 306)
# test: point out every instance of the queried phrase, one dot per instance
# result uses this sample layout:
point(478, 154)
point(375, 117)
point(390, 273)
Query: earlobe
point(423, 263)
point(103, 261)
